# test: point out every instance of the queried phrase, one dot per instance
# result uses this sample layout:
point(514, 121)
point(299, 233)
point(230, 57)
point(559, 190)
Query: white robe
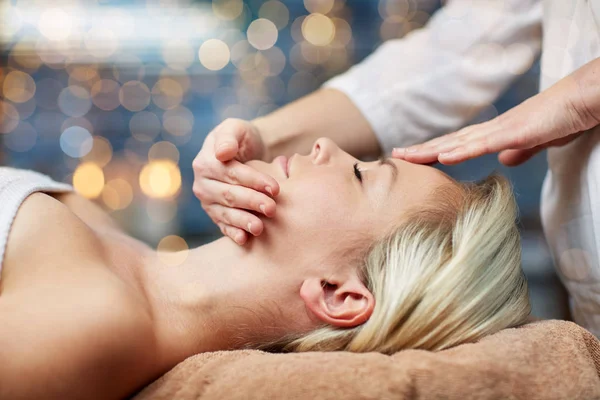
point(436, 79)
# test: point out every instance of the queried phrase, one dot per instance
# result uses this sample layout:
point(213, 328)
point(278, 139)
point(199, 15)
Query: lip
point(283, 161)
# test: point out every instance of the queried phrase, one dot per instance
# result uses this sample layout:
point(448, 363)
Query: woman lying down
point(361, 256)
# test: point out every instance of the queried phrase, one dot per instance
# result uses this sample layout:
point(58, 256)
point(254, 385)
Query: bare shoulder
point(89, 212)
point(88, 341)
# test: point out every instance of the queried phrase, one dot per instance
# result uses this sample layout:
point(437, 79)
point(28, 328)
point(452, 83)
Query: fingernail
point(263, 209)
point(449, 155)
point(250, 227)
point(239, 237)
point(411, 150)
point(269, 190)
point(223, 146)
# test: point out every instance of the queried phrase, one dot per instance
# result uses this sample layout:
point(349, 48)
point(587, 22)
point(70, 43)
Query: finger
point(439, 142)
point(514, 157)
point(474, 141)
point(426, 158)
point(238, 173)
point(235, 196)
point(490, 139)
point(461, 154)
point(428, 152)
point(236, 218)
point(227, 138)
point(237, 235)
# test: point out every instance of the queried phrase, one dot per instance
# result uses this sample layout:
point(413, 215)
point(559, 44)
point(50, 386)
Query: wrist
point(270, 134)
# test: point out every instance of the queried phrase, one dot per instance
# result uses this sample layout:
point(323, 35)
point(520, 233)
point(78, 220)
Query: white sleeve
point(436, 79)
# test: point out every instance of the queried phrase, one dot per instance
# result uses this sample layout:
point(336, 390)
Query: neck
point(222, 297)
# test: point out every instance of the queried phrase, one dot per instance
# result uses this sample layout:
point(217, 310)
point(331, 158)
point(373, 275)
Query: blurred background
point(117, 97)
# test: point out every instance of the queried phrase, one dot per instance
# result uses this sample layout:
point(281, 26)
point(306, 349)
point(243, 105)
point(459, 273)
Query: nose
point(323, 149)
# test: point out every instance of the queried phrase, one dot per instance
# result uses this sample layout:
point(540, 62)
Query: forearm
point(324, 113)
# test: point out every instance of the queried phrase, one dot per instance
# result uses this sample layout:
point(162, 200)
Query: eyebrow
point(388, 161)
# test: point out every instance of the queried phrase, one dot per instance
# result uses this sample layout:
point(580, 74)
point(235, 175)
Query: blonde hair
point(450, 274)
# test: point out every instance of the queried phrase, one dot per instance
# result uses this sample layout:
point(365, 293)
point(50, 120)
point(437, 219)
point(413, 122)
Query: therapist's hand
point(554, 117)
point(226, 187)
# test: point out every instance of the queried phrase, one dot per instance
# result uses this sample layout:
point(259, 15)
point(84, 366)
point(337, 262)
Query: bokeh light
point(178, 121)
point(48, 124)
point(172, 250)
point(101, 152)
point(178, 54)
point(227, 9)
point(181, 78)
point(88, 180)
point(127, 68)
point(24, 54)
point(397, 10)
point(12, 21)
point(343, 33)
point(26, 109)
point(144, 126)
point(52, 53)
point(18, 86)
point(22, 138)
point(276, 12)
point(163, 151)
point(160, 179)
point(270, 62)
point(214, 54)
point(134, 95)
point(55, 24)
point(9, 117)
point(117, 194)
point(77, 121)
point(85, 76)
point(318, 29)
point(315, 54)
point(105, 94)
point(296, 29)
point(101, 42)
point(262, 34)
point(319, 6)
point(76, 141)
point(167, 93)
point(74, 101)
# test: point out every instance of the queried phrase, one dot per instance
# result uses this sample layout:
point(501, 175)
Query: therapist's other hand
point(226, 187)
point(554, 117)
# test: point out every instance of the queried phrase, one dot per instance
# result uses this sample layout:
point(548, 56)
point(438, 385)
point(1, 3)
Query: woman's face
point(330, 202)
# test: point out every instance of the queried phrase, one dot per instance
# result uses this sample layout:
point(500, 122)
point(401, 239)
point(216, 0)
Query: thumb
point(225, 149)
point(512, 158)
point(230, 137)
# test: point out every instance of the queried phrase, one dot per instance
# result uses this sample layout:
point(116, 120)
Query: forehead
point(414, 183)
point(421, 173)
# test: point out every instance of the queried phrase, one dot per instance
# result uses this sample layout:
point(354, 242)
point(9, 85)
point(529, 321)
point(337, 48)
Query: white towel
point(15, 186)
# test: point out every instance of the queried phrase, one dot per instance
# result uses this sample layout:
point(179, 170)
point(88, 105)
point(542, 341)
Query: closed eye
point(357, 172)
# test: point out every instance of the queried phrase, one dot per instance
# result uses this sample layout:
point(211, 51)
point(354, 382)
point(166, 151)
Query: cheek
point(318, 207)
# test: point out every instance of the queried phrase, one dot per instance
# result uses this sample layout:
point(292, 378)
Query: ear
point(344, 303)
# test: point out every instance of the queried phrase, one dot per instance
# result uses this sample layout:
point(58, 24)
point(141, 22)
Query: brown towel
point(541, 360)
